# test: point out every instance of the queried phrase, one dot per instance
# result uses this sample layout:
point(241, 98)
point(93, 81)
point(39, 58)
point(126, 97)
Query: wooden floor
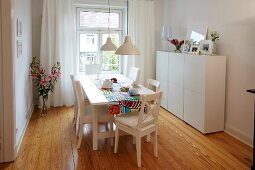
point(50, 143)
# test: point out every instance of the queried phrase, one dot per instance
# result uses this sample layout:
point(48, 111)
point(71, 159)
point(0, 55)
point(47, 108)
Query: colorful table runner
point(119, 101)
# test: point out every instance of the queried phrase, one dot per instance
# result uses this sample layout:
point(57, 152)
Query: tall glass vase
point(44, 107)
point(165, 34)
point(213, 48)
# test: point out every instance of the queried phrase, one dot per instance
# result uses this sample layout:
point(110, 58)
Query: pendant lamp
point(108, 46)
point(127, 48)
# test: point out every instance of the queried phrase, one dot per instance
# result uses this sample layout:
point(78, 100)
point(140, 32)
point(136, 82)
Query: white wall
point(23, 82)
point(235, 21)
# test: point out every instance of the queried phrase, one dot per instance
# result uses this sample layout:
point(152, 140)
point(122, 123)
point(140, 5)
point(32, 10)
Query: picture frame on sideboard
point(194, 49)
point(206, 47)
point(186, 45)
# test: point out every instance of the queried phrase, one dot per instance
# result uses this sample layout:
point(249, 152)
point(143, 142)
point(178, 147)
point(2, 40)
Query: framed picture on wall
point(194, 49)
point(206, 47)
point(186, 45)
point(19, 28)
point(19, 48)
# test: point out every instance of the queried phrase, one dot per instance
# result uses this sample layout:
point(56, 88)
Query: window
point(92, 32)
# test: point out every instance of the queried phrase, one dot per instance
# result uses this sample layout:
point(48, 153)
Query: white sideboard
point(193, 88)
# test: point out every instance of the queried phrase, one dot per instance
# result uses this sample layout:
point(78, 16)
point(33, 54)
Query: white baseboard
point(245, 138)
point(17, 147)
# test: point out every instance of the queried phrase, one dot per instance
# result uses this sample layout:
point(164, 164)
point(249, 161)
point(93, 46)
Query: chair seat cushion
point(131, 119)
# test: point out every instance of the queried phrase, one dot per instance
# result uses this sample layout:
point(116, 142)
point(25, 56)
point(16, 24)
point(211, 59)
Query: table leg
point(95, 128)
point(253, 162)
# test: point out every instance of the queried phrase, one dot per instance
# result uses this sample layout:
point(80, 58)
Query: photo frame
point(19, 28)
point(19, 48)
point(194, 49)
point(186, 45)
point(197, 33)
point(206, 47)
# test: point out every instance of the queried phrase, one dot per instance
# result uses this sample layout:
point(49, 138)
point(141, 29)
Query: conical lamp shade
point(108, 46)
point(127, 48)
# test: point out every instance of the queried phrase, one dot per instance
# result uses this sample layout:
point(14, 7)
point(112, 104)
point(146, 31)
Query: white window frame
point(78, 42)
point(101, 31)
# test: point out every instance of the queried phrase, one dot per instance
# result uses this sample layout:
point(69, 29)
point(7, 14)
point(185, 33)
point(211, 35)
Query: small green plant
point(214, 36)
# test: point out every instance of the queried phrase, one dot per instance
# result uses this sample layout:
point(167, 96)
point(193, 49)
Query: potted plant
point(214, 37)
point(177, 44)
point(44, 82)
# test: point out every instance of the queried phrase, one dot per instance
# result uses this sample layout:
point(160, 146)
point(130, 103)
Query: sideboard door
point(162, 75)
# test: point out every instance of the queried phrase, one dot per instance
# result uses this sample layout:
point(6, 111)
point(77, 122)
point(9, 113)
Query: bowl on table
point(124, 89)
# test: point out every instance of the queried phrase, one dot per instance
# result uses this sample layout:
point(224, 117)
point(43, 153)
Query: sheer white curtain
point(142, 32)
point(57, 44)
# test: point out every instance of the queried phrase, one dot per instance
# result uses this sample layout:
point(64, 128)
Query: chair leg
point(134, 140)
point(75, 114)
point(148, 138)
point(74, 117)
point(80, 136)
point(155, 143)
point(138, 150)
point(116, 139)
point(111, 130)
point(77, 128)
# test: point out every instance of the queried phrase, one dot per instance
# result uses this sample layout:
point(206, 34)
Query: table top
point(95, 95)
point(251, 91)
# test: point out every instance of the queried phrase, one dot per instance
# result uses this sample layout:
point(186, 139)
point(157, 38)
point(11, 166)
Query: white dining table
point(97, 98)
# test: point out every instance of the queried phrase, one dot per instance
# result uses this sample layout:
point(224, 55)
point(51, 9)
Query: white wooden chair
point(153, 83)
point(134, 74)
point(155, 86)
point(140, 123)
point(75, 105)
point(86, 103)
point(84, 115)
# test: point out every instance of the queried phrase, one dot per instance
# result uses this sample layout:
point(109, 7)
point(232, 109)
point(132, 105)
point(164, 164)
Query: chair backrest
point(150, 105)
point(155, 83)
point(134, 73)
point(80, 98)
point(72, 79)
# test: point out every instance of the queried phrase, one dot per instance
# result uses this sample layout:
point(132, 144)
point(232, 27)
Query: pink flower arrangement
point(43, 82)
point(176, 43)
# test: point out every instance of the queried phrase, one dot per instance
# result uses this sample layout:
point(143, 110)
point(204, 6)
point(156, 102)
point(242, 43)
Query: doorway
point(1, 88)
point(7, 110)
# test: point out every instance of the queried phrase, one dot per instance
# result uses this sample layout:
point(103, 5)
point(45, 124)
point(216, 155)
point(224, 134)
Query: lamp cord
point(127, 17)
point(109, 15)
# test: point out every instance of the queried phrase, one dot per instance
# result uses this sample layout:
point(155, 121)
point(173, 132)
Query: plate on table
point(132, 94)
